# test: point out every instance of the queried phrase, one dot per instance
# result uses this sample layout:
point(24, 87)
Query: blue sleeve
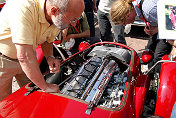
point(149, 8)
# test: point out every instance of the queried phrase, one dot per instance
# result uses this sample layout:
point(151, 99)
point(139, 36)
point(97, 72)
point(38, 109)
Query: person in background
point(90, 8)
point(124, 12)
point(105, 23)
point(79, 32)
point(22, 28)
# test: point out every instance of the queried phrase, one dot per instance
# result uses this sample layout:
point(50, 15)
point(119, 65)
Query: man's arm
point(29, 64)
point(95, 6)
point(47, 49)
point(172, 42)
point(54, 64)
point(79, 35)
point(151, 30)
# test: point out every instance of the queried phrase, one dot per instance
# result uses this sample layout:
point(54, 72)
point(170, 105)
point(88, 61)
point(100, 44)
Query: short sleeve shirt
point(24, 22)
point(105, 5)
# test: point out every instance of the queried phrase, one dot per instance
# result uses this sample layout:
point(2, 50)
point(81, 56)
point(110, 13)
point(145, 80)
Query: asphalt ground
point(137, 39)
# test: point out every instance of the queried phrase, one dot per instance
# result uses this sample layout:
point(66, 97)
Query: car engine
point(97, 76)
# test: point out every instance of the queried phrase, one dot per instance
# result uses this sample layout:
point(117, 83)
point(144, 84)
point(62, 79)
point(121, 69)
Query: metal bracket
point(31, 90)
point(90, 107)
point(158, 62)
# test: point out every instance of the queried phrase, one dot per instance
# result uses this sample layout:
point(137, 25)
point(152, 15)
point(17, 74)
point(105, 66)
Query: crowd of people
point(30, 23)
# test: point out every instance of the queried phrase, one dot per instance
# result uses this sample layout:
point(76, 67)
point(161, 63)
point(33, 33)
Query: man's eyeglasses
point(71, 21)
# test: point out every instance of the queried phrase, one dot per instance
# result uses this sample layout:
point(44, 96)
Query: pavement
point(136, 38)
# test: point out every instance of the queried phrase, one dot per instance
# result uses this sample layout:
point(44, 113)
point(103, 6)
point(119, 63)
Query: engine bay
point(97, 75)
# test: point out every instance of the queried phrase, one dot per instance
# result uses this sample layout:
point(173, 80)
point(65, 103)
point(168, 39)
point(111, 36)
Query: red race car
point(102, 81)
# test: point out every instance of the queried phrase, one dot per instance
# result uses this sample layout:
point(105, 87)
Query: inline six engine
point(101, 79)
point(97, 75)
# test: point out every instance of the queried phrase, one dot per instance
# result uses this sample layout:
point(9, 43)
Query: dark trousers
point(105, 25)
point(97, 3)
point(90, 19)
point(160, 48)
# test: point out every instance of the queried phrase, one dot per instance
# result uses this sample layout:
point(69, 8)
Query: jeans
point(90, 16)
point(105, 25)
point(90, 19)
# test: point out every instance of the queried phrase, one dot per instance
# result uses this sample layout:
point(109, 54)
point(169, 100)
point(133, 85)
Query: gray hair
point(61, 4)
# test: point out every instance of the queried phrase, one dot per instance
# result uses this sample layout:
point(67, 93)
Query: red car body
point(39, 104)
point(1, 5)
point(166, 97)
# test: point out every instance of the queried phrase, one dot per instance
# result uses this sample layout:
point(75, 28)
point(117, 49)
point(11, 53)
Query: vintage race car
point(103, 80)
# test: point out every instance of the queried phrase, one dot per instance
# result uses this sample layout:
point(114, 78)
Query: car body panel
point(166, 97)
point(40, 104)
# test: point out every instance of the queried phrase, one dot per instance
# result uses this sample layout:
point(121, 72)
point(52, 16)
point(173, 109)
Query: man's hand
point(151, 30)
point(52, 88)
point(68, 37)
point(172, 42)
point(54, 64)
point(95, 8)
point(64, 34)
point(65, 39)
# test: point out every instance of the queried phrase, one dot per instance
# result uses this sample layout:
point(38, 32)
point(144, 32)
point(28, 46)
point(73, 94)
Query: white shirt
point(105, 5)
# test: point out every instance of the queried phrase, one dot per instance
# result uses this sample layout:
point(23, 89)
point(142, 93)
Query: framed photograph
point(166, 10)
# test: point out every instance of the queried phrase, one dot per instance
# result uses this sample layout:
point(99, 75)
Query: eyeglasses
point(71, 21)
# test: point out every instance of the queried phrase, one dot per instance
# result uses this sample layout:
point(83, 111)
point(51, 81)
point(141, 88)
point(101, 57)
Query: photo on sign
point(166, 11)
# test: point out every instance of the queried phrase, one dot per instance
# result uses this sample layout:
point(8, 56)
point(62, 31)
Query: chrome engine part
point(100, 80)
point(78, 83)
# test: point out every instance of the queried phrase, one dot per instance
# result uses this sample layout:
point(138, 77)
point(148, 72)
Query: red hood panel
point(44, 105)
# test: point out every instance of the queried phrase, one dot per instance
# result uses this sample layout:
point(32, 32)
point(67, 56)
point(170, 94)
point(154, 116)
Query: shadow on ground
point(138, 32)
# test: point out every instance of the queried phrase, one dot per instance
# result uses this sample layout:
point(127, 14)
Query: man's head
point(66, 12)
point(122, 12)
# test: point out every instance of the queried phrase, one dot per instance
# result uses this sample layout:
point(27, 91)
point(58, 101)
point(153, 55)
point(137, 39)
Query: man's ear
point(53, 10)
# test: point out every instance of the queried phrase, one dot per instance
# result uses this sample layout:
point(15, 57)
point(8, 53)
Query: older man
point(22, 27)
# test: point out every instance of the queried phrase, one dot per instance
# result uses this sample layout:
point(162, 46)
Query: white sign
point(166, 10)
